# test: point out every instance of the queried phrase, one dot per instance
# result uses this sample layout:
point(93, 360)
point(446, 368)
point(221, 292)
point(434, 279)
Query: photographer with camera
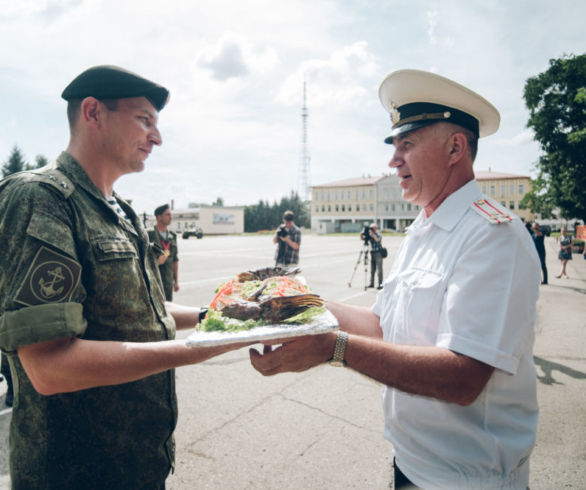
point(288, 236)
point(372, 236)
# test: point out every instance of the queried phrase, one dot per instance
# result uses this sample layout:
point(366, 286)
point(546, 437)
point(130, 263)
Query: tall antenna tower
point(304, 186)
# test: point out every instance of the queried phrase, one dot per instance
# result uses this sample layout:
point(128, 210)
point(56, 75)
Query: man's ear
point(458, 147)
point(91, 109)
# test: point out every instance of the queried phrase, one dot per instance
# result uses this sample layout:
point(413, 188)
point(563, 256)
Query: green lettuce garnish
point(216, 322)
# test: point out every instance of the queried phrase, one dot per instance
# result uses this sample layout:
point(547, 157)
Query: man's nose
point(155, 137)
point(395, 160)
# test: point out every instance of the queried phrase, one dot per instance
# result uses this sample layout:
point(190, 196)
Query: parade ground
point(323, 428)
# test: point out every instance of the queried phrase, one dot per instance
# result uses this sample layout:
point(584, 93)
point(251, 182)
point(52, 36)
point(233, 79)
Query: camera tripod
point(363, 253)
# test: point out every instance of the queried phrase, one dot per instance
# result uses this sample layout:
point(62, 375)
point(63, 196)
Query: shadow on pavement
point(549, 367)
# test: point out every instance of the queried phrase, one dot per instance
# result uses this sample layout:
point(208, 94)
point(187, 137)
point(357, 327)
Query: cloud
point(343, 78)
point(434, 40)
point(521, 138)
point(232, 56)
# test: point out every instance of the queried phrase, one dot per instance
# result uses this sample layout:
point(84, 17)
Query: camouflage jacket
point(167, 273)
point(72, 267)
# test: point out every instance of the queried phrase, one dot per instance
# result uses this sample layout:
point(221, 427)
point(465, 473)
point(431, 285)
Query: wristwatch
point(339, 350)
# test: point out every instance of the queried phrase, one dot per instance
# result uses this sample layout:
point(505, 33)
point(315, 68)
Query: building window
point(323, 208)
point(492, 190)
point(520, 189)
point(503, 204)
point(511, 204)
point(503, 187)
point(370, 194)
point(512, 189)
point(484, 188)
point(349, 195)
point(329, 208)
point(343, 208)
point(349, 208)
point(317, 209)
point(337, 208)
point(371, 207)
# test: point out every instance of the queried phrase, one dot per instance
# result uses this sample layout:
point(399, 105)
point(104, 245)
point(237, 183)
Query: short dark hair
point(74, 106)
point(161, 209)
point(288, 216)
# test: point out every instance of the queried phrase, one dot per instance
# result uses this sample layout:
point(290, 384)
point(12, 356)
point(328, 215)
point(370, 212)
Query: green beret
point(161, 209)
point(113, 82)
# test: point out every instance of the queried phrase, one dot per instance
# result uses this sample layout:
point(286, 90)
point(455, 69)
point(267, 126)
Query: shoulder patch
point(51, 278)
point(52, 176)
point(492, 211)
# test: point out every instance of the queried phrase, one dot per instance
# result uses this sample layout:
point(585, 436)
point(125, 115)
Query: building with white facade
point(347, 205)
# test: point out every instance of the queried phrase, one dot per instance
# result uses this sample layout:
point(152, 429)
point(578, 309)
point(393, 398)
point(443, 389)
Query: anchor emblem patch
point(51, 278)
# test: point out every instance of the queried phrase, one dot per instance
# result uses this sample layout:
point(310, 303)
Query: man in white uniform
point(451, 333)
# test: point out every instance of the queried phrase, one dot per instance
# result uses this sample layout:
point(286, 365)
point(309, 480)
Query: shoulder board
point(55, 178)
point(492, 211)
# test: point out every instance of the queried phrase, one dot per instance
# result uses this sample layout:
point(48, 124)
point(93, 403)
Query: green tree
point(219, 202)
point(40, 161)
point(556, 100)
point(263, 216)
point(15, 162)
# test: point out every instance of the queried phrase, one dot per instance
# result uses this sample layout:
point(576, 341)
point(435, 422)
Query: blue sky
point(235, 70)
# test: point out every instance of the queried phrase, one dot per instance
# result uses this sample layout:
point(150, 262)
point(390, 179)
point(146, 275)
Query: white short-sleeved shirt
point(462, 283)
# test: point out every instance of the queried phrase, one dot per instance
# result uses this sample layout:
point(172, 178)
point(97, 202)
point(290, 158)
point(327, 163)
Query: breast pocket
point(117, 277)
point(115, 249)
point(420, 300)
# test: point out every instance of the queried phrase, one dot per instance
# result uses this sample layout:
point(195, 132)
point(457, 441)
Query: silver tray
point(326, 322)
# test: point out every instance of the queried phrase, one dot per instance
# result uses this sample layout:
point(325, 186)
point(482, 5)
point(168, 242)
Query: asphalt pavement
point(323, 428)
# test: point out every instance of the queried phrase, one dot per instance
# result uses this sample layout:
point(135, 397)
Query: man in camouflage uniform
point(165, 243)
point(83, 319)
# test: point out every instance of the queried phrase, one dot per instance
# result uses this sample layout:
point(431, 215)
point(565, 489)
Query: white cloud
point(343, 78)
point(232, 56)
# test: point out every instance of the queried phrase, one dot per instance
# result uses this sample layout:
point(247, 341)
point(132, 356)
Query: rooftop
point(490, 175)
point(356, 181)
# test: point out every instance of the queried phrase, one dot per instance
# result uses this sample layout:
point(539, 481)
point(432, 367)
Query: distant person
point(539, 240)
point(375, 240)
point(288, 237)
point(83, 318)
point(565, 253)
point(166, 246)
point(451, 333)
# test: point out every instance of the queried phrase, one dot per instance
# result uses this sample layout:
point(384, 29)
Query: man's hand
point(162, 259)
point(296, 355)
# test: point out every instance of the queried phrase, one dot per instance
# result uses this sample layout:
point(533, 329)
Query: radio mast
point(304, 188)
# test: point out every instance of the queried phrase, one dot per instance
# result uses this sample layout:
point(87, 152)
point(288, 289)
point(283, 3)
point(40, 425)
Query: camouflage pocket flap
point(52, 231)
point(115, 249)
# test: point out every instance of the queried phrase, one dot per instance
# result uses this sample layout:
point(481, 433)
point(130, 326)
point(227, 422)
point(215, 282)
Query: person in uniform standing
point(166, 245)
point(451, 333)
point(82, 314)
